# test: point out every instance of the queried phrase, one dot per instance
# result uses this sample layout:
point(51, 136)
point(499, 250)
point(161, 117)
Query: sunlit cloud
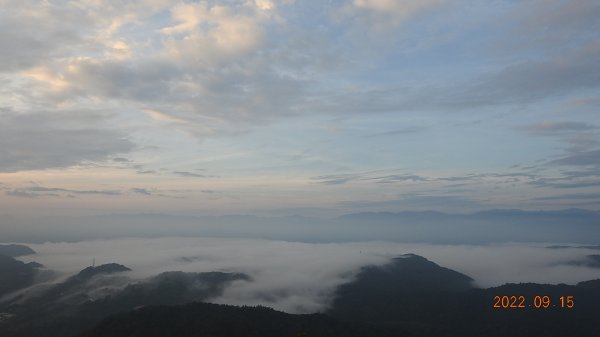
point(300, 105)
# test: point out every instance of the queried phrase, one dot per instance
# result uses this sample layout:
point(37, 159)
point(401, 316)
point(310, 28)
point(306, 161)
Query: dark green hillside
point(15, 274)
point(428, 300)
point(84, 299)
point(213, 320)
point(15, 250)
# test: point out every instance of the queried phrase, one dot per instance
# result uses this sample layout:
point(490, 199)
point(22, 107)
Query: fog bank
point(301, 277)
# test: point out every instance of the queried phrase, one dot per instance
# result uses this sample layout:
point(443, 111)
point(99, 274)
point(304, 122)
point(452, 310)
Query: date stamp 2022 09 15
point(538, 302)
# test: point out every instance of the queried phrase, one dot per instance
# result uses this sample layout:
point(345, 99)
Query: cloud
point(302, 277)
point(189, 174)
point(550, 23)
point(553, 128)
point(522, 82)
point(534, 80)
point(426, 192)
point(402, 8)
point(583, 141)
point(147, 80)
point(211, 34)
point(462, 178)
point(29, 37)
point(565, 182)
point(590, 173)
point(157, 193)
point(211, 68)
point(141, 191)
point(398, 178)
point(146, 172)
point(588, 158)
point(43, 140)
point(37, 191)
point(586, 177)
point(382, 14)
point(578, 135)
point(265, 5)
point(41, 191)
point(162, 117)
point(337, 179)
point(389, 176)
point(222, 68)
point(24, 193)
point(575, 196)
point(402, 131)
point(171, 86)
point(343, 178)
point(584, 101)
point(299, 278)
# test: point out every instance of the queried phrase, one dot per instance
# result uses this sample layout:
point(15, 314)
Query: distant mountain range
point(509, 225)
point(409, 296)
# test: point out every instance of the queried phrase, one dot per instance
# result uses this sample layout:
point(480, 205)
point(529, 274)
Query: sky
point(316, 108)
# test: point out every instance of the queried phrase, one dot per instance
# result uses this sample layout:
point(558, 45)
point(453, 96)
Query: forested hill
point(414, 294)
point(13, 250)
point(213, 320)
point(410, 296)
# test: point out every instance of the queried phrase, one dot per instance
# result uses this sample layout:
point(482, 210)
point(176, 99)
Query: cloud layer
point(301, 277)
point(277, 105)
point(40, 140)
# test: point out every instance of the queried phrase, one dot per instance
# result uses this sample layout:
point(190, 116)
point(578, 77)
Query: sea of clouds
point(301, 277)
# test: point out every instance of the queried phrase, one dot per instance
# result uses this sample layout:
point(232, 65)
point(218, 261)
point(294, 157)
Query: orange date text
point(537, 302)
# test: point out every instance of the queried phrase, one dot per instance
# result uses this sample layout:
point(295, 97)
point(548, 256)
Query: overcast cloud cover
point(283, 107)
